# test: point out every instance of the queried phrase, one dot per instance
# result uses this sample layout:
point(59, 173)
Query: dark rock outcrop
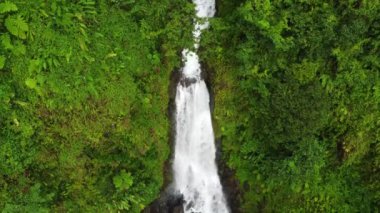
point(169, 202)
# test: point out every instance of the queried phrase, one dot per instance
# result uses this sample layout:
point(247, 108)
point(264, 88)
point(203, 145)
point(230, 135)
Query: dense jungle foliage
point(297, 96)
point(83, 101)
point(84, 96)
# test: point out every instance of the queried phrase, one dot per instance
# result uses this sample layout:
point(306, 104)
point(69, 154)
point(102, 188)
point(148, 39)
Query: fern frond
point(17, 26)
point(7, 7)
point(6, 41)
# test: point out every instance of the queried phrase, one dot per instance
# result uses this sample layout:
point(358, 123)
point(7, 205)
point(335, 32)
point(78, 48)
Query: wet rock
point(229, 182)
point(168, 202)
point(187, 81)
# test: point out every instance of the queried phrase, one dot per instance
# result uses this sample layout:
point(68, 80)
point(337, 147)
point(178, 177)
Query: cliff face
point(230, 183)
point(169, 201)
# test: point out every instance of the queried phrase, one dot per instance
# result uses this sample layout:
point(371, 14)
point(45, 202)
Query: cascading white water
point(195, 171)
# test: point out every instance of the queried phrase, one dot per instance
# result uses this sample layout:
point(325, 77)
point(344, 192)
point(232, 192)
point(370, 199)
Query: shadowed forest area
point(84, 122)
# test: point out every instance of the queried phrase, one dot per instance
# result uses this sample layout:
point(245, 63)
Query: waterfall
point(194, 167)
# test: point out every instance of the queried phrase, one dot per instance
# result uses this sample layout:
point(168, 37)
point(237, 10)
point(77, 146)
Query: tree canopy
point(296, 88)
point(83, 102)
point(84, 94)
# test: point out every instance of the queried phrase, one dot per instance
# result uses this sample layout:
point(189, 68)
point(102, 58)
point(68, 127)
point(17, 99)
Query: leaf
point(2, 61)
point(21, 103)
point(34, 66)
point(19, 49)
point(82, 44)
point(6, 41)
point(7, 7)
point(123, 181)
point(292, 165)
point(111, 55)
point(31, 83)
point(17, 26)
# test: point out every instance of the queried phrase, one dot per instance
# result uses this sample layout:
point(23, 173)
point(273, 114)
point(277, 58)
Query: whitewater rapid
point(194, 168)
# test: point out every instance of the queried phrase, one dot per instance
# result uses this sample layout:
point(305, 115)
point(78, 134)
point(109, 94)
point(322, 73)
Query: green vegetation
point(84, 98)
point(297, 96)
point(83, 101)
